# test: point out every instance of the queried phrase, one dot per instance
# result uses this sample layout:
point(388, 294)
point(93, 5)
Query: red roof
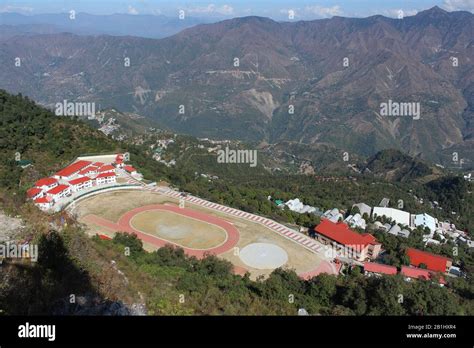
point(129, 169)
point(98, 164)
point(379, 268)
point(58, 189)
point(342, 234)
point(417, 273)
point(45, 182)
point(105, 175)
point(106, 168)
point(33, 192)
point(88, 170)
point(104, 237)
point(80, 180)
point(433, 262)
point(73, 168)
point(43, 200)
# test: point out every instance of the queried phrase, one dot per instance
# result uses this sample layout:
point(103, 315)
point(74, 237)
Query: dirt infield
point(181, 230)
point(125, 224)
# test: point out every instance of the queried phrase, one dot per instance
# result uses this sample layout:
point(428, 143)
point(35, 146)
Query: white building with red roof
point(108, 168)
point(46, 183)
point(81, 183)
point(106, 178)
point(44, 203)
point(119, 160)
point(71, 170)
point(83, 174)
point(349, 243)
point(89, 171)
point(130, 170)
point(59, 192)
point(34, 192)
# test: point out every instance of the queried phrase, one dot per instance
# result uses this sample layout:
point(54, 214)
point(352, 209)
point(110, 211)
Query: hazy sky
point(277, 9)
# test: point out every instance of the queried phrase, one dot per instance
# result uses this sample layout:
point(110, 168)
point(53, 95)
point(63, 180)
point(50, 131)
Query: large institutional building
point(78, 176)
point(358, 246)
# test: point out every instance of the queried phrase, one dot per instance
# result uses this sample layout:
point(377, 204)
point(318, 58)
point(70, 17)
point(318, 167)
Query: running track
point(124, 225)
point(280, 229)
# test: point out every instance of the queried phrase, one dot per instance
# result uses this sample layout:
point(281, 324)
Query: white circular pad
point(263, 256)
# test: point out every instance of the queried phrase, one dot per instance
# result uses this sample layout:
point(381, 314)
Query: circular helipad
point(263, 256)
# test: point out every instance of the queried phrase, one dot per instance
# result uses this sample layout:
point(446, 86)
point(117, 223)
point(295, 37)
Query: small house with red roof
point(373, 268)
point(106, 178)
point(46, 183)
point(352, 244)
point(433, 262)
point(119, 160)
point(44, 203)
point(81, 183)
point(34, 192)
point(59, 192)
point(89, 171)
point(419, 273)
point(108, 168)
point(130, 170)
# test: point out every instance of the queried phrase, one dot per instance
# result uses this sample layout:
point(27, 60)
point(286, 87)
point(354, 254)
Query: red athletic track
point(124, 225)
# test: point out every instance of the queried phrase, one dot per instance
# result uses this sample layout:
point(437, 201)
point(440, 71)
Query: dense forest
point(71, 263)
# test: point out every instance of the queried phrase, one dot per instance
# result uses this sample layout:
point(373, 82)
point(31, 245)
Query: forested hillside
point(30, 132)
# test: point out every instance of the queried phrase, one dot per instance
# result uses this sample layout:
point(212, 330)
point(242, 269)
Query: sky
point(276, 9)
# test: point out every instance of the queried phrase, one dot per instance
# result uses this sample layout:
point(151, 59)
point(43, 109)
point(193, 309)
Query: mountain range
point(149, 26)
point(241, 78)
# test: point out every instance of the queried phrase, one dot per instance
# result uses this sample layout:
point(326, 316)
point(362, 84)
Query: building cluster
point(423, 265)
point(79, 176)
point(401, 223)
point(159, 149)
point(363, 248)
point(297, 206)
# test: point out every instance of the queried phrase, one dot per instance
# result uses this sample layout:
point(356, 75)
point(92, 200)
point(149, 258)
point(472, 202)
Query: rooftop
point(73, 168)
point(58, 189)
point(45, 182)
point(379, 268)
point(80, 180)
point(342, 234)
point(432, 261)
point(33, 191)
point(105, 175)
